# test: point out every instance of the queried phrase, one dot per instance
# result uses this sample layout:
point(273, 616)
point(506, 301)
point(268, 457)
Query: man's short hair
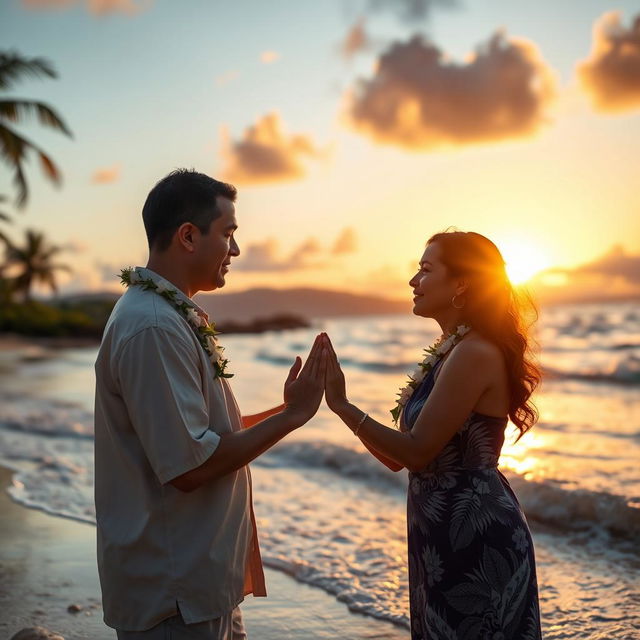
point(183, 196)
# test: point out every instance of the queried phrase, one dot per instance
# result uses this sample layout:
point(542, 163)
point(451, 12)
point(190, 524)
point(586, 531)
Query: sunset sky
point(353, 129)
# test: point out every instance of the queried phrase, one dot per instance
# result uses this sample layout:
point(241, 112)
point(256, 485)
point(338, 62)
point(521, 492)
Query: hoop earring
point(454, 305)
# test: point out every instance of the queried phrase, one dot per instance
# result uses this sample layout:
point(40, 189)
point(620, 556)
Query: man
point(177, 542)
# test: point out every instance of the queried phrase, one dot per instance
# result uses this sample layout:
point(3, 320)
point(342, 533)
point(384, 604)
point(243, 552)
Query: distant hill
point(305, 302)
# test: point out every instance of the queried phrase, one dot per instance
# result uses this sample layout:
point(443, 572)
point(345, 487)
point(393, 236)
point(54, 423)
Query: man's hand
point(304, 386)
point(335, 391)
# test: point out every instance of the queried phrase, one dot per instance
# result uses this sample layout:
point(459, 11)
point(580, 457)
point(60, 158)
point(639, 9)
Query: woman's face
point(432, 286)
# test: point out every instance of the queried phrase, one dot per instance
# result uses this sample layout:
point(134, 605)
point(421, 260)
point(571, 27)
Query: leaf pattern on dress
point(468, 597)
point(478, 446)
point(471, 561)
point(474, 509)
point(514, 594)
point(437, 626)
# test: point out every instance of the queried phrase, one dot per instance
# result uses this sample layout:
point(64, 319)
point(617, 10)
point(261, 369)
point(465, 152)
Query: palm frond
point(19, 110)
point(13, 66)
point(13, 150)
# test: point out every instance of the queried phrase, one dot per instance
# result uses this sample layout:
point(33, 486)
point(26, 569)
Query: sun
point(523, 260)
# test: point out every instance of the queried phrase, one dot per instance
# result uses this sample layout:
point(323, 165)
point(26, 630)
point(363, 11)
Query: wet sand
point(47, 564)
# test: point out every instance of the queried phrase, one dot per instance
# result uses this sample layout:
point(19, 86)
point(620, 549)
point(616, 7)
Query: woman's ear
point(461, 286)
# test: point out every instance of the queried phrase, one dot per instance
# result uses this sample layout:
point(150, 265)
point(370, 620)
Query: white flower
point(160, 288)
point(463, 330)
point(193, 318)
point(134, 277)
point(430, 360)
point(212, 344)
point(405, 394)
point(418, 375)
point(446, 345)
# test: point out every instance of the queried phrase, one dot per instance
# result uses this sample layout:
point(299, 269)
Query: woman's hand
point(335, 391)
point(304, 386)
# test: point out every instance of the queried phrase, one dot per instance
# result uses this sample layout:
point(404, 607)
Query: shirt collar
point(180, 295)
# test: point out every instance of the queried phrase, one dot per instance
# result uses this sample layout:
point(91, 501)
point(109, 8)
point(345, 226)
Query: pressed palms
point(34, 262)
point(14, 147)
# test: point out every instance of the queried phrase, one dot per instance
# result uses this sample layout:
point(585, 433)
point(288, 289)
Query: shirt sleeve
point(160, 383)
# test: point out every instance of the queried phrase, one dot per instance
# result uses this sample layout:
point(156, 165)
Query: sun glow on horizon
point(523, 260)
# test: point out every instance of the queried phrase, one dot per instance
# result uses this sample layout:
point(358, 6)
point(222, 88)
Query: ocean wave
point(544, 501)
point(623, 367)
point(625, 370)
point(52, 418)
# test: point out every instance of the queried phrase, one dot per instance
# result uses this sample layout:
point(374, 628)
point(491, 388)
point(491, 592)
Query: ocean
point(330, 515)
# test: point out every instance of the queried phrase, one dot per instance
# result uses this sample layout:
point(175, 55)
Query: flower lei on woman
point(205, 333)
point(432, 354)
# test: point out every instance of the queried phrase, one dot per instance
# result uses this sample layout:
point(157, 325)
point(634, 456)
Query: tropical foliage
point(33, 262)
point(14, 146)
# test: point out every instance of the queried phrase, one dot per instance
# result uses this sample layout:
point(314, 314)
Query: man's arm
point(238, 448)
point(303, 391)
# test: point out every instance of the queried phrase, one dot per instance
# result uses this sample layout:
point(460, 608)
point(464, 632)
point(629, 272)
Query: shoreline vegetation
point(73, 323)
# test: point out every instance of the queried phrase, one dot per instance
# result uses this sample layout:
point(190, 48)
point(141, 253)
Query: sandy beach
point(47, 564)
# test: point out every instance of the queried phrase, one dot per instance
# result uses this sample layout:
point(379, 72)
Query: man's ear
point(185, 236)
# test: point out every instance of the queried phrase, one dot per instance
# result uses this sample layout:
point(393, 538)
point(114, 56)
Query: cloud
point(96, 7)
point(615, 264)
point(106, 175)
point(419, 99)
point(266, 256)
point(614, 275)
point(266, 153)
point(611, 75)
point(345, 243)
point(225, 78)
point(269, 57)
point(411, 10)
point(355, 41)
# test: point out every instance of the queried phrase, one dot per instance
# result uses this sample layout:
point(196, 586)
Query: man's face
point(215, 249)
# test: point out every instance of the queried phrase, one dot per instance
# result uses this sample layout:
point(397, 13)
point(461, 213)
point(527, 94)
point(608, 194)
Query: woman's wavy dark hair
point(498, 312)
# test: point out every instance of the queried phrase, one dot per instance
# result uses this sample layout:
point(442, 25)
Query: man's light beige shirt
point(159, 413)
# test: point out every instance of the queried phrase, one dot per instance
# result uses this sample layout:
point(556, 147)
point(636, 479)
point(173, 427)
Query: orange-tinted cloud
point(106, 175)
point(225, 78)
point(266, 153)
point(96, 7)
point(345, 243)
point(611, 75)
point(419, 99)
point(614, 275)
point(355, 41)
point(617, 263)
point(266, 256)
point(268, 57)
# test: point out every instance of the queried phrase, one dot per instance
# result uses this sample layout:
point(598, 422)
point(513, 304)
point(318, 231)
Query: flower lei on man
point(432, 355)
point(205, 333)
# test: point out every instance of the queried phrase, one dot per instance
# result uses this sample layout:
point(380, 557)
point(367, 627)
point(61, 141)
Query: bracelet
point(364, 417)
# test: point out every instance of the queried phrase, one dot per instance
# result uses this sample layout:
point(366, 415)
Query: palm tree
point(13, 146)
point(34, 263)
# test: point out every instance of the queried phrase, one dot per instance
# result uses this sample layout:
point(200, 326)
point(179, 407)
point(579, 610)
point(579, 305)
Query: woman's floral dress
point(472, 573)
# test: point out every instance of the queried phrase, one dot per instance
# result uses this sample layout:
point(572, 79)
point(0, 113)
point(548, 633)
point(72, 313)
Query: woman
point(471, 563)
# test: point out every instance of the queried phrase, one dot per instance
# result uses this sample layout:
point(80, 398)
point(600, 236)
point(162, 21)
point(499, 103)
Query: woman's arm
point(462, 380)
point(249, 421)
point(387, 462)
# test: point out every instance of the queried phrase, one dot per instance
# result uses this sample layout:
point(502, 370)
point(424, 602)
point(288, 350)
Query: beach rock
point(74, 608)
point(36, 633)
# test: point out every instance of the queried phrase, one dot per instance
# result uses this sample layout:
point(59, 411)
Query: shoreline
point(48, 565)
point(18, 342)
